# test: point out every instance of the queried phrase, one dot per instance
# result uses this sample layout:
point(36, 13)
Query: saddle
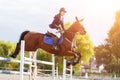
point(50, 34)
point(52, 39)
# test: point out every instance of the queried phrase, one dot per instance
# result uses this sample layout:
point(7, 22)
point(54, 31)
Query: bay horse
point(35, 40)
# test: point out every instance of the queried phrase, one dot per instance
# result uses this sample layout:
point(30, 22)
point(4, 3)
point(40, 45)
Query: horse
point(35, 40)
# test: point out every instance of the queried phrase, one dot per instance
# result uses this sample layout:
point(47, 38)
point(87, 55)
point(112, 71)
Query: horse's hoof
point(13, 56)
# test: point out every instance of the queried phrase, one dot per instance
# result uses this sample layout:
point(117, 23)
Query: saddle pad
point(48, 40)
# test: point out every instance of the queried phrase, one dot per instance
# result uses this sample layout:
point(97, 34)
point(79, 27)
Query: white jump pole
point(64, 69)
point(53, 66)
point(71, 69)
point(22, 60)
point(35, 65)
point(30, 67)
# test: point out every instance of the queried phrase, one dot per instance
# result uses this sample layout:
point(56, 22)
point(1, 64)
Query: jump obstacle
point(65, 69)
point(16, 61)
point(32, 62)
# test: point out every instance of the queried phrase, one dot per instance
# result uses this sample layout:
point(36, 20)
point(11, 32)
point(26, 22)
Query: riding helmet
point(63, 9)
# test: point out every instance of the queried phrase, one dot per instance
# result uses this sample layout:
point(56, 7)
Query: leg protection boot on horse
point(74, 60)
point(16, 52)
point(78, 60)
point(71, 62)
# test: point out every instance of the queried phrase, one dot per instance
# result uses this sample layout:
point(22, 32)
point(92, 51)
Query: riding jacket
point(57, 22)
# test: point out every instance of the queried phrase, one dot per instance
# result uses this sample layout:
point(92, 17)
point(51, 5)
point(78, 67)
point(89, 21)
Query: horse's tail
point(22, 35)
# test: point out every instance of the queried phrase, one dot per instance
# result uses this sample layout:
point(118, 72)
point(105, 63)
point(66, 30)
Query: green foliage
point(103, 54)
point(85, 47)
point(6, 48)
point(67, 25)
point(43, 55)
point(114, 65)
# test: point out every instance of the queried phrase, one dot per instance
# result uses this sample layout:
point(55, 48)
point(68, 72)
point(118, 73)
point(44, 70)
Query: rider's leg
point(55, 42)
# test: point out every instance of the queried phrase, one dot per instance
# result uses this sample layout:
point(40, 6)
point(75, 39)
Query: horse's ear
point(76, 19)
point(81, 20)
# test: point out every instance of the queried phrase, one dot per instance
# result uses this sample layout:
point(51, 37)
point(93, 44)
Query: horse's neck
point(69, 35)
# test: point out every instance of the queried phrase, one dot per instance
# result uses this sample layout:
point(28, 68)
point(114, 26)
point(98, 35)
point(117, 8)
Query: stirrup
point(55, 47)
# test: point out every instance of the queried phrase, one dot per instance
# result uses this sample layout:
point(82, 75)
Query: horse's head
point(78, 27)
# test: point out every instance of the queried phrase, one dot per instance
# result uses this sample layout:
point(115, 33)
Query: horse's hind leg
point(16, 52)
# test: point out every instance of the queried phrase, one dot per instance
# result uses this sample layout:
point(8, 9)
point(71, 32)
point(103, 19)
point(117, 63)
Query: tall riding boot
point(55, 40)
point(16, 52)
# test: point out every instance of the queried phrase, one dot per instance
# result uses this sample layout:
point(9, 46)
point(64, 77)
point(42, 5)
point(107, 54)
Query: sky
point(17, 16)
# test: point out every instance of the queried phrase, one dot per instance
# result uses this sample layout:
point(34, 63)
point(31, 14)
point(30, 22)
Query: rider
point(58, 24)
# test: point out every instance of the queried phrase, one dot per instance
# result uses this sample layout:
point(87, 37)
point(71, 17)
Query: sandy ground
point(17, 77)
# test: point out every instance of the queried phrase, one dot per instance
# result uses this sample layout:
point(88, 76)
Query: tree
point(85, 47)
point(6, 48)
point(114, 41)
point(109, 53)
point(103, 55)
point(114, 36)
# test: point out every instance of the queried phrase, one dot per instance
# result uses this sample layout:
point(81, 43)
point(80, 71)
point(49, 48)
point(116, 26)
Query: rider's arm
point(62, 25)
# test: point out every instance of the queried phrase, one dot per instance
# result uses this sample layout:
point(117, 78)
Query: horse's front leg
point(74, 60)
point(78, 57)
